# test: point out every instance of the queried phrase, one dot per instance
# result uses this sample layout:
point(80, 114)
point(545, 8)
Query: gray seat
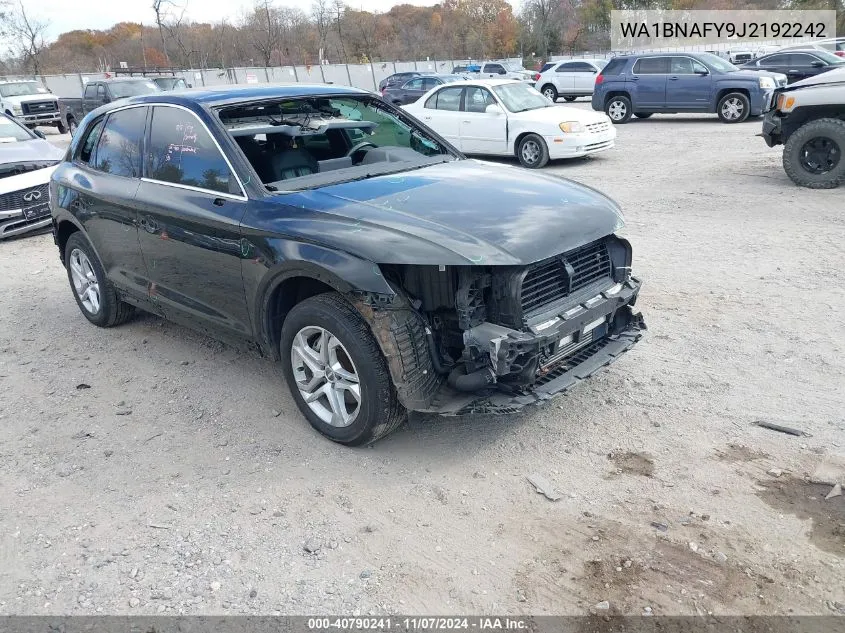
point(293, 163)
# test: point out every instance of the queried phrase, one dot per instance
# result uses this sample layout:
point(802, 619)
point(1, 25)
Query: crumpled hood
point(462, 212)
point(36, 150)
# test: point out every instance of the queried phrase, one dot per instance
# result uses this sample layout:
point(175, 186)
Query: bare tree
point(160, 9)
point(26, 33)
point(321, 12)
point(264, 29)
point(338, 10)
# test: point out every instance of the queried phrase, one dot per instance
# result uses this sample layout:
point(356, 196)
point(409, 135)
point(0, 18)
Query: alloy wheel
point(531, 152)
point(85, 282)
point(326, 376)
point(819, 155)
point(732, 109)
point(549, 94)
point(617, 110)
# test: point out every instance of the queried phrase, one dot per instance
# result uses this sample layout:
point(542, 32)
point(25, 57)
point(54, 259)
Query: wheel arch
point(616, 93)
point(64, 229)
point(722, 92)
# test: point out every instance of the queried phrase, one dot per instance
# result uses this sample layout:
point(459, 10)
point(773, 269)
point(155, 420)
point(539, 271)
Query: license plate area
point(37, 211)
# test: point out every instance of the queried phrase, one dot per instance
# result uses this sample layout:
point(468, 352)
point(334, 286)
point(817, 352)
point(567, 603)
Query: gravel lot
point(185, 481)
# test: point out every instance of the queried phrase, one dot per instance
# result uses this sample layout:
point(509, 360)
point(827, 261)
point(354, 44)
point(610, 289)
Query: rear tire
point(533, 152)
point(61, 128)
point(353, 360)
point(71, 125)
point(569, 99)
point(734, 107)
point(643, 115)
point(95, 295)
point(550, 92)
point(812, 156)
point(618, 108)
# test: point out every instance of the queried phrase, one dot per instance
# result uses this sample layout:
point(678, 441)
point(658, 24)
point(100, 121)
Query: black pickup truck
point(101, 92)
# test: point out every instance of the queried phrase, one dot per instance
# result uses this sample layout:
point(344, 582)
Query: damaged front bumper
point(565, 349)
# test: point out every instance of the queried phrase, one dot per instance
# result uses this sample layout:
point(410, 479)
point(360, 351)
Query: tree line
point(271, 34)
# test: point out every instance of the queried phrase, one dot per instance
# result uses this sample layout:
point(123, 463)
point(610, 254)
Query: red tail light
point(536, 76)
point(599, 79)
point(840, 53)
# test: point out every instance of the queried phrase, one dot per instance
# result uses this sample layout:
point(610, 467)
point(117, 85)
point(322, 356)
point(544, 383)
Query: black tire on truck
point(71, 125)
point(61, 127)
point(336, 372)
point(812, 155)
point(643, 115)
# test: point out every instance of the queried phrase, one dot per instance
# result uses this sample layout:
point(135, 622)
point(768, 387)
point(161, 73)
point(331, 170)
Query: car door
point(442, 113)
point(688, 85)
point(412, 90)
point(777, 63)
point(482, 132)
point(94, 97)
point(648, 83)
point(583, 78)
point(803, 65)
point(100, 191)
point(189, 224)
point(564, 78)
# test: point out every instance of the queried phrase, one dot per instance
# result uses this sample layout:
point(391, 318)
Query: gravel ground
point(183, 480)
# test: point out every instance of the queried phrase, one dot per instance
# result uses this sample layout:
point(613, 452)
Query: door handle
point(635, 78)
point(673, 78)
point(427, 118)
point(791, 71)
point(466, 122)
point(218, 202)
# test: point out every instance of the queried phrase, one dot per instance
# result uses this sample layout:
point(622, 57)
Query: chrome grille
point(14, 200)
point(40, 107)
point(559, 276)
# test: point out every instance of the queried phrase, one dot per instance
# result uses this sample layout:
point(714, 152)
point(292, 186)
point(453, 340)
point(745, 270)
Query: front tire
point(569, 99)
point(618, 108)
point(336, 372)
point(734, 107)
point(533, 152)
point(643, 115)
point(61, 128)
point(550, 92)
point(94, 293)
point(812, 156)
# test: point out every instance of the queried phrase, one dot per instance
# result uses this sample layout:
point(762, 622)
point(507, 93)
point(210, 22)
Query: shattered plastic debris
point(543, 486)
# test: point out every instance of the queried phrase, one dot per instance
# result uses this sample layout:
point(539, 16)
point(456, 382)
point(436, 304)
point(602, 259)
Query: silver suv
point(570, 79)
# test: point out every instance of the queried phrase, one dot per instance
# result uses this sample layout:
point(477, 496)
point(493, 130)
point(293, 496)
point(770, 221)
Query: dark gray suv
point(642, 85)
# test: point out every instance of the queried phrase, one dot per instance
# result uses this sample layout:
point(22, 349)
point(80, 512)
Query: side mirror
point(39, 133)
point(817, 64)
point(190, 85)
point(503, 71)
point(702, 73)
point(493, 108)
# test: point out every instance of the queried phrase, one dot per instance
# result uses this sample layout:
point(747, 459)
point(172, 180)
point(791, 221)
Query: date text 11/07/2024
point(481, 623)
point(754, 30)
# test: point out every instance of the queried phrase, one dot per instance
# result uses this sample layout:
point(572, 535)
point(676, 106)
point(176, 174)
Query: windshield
point(22, 88)
point(520, 97)
point(120, 89)
point(514, 68)
point(717, 63)
point(830, 58)
point(11, 132)
point(169, 83)
point(306, 143)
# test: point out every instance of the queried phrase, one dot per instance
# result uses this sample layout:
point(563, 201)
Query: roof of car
point(662, 54)
point(224, 95)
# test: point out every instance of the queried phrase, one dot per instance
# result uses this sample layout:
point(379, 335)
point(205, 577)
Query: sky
point(101, 14)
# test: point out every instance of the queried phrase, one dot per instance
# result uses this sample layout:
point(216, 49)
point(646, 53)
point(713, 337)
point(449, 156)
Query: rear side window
point(614, 66)
point(546, 66)
point(652, 66)
point(86, 149)
point(446, 99)
point(119, 150)
point(182, 152)
point(775, 60)
point(90, 91)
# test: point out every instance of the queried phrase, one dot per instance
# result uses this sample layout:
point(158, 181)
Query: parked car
point(170, 83)
point(31, 103)
point(415, 88)
point(322, 224)
point(766, 49)
point(26, 162)
point(508, 118)
point(808, 119)
point(797, 64)
point(507, 70)
point(569, 79)
point(99, 93)
point(467, 69)
point(397, 79)
point(835, 45)
point(739, 56)
point(642, 85)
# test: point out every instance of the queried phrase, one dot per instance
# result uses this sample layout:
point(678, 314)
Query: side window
point(445, 99)
point(652, 66)
point(101, 92)
point(414, 84)
point(566, 68)
point(90, 91)
point(477, 99)
point(86, 148)
point(119, 150)
point(430, 82)
point(698, 67)
point(680, 66)
point(582, 67)
point(801, 60)
point(776, 60)
point(181, 151)
point(494, 68)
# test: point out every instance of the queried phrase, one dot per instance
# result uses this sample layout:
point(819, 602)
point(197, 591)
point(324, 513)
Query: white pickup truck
point(507, 70)
point(30, 103)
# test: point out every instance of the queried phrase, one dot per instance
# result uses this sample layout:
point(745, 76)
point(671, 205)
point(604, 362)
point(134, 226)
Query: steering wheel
point(358, 147)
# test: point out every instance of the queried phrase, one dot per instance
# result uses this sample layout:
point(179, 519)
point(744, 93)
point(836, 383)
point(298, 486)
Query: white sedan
point(507, 118)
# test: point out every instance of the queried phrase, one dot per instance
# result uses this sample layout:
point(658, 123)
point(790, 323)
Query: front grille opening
point(14, 200)
point(573, 361)
point(559, 276)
